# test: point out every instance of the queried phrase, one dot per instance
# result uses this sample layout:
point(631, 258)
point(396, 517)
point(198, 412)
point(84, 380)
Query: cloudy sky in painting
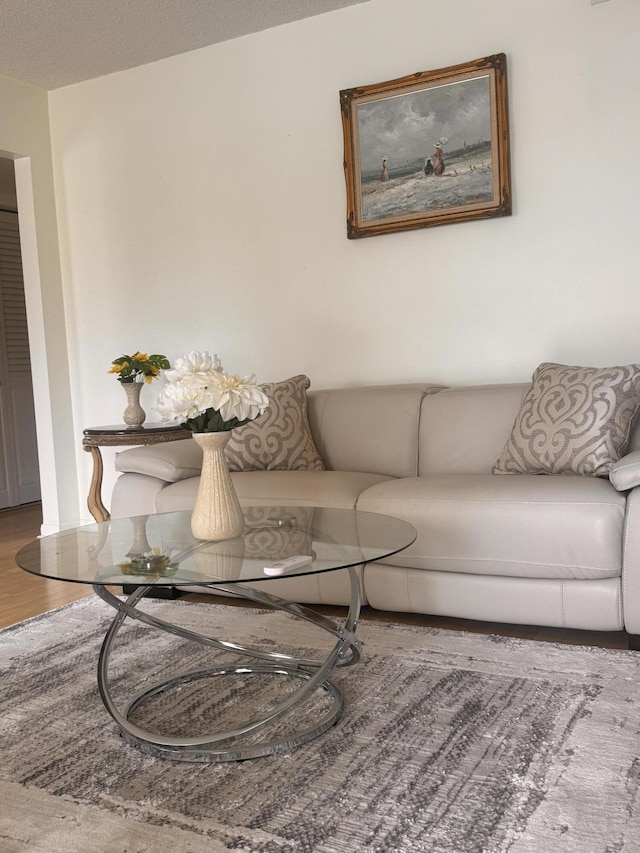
point(405, 128)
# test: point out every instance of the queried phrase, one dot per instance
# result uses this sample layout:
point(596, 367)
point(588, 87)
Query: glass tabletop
point(160, 549)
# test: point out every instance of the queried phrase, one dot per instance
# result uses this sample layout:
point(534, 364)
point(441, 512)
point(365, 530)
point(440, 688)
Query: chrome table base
point(239, 742)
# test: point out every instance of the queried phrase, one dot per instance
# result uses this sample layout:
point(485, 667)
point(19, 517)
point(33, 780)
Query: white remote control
point(288, 565)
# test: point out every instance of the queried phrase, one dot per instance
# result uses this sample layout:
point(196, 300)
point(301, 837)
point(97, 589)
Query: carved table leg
point(94, 499)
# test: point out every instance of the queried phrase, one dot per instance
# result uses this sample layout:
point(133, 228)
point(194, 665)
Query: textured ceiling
point(52, 43)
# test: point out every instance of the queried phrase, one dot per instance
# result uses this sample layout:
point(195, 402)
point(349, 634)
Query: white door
point(19, 477)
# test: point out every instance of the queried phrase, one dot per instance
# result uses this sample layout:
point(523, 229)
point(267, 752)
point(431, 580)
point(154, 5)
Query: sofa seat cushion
point(526, 526)
point(303, 488)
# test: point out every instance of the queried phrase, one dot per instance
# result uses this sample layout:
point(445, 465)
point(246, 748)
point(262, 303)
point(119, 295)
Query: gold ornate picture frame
point(428, 149)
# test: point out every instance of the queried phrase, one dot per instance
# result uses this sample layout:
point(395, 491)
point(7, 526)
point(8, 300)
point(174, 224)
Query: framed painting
point(428, 149)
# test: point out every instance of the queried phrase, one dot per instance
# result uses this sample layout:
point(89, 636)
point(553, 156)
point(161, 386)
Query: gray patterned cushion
point(573, 420)
point(280, 439)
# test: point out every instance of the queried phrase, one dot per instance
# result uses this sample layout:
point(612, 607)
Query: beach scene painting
point(427, 149)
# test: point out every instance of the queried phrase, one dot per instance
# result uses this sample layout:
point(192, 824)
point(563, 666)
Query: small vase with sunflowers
point(133, 371)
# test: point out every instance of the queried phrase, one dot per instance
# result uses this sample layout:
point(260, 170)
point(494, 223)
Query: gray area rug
point(450, 743)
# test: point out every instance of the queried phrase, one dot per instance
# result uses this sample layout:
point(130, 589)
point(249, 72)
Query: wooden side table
point(120, 435)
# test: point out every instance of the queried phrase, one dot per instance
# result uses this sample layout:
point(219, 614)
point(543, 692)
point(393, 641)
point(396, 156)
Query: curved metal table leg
point(238, 742)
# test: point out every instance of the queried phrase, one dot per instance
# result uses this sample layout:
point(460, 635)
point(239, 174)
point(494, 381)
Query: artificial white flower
point(202, 397)
point(237, 397)
point(183, 400)
point(196, 364)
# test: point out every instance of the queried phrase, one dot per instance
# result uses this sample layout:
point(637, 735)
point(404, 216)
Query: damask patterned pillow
point(573, 420)
point(280, 439)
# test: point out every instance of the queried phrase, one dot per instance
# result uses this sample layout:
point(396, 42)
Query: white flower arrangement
point(203, 398)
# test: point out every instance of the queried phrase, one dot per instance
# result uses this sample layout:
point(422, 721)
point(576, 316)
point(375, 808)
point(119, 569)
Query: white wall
point(25, 138)
point(201, 204)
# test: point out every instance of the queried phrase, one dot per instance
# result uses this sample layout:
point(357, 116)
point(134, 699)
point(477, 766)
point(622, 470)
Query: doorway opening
point(19, 468)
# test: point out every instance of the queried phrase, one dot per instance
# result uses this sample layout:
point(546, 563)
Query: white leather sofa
point(550, 550)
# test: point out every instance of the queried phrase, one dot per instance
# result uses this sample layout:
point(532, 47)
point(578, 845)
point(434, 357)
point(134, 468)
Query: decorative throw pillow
point(573, 420)
point(280, 439)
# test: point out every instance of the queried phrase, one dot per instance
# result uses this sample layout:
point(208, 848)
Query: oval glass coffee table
point(147, 552)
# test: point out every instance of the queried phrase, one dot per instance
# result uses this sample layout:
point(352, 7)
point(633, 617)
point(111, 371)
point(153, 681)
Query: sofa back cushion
point(464, 430)
point(372, 430)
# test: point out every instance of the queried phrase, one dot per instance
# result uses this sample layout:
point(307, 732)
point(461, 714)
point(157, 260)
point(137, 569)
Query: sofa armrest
point(135, 494)
point(631, 564)
point(625, 474)
point(171, 462)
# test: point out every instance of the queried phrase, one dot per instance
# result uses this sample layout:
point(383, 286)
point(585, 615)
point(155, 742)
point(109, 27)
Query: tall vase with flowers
point(133, 371)
point(209, 402)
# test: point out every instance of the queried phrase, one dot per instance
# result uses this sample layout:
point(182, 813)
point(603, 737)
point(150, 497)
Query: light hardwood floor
point(23, 595)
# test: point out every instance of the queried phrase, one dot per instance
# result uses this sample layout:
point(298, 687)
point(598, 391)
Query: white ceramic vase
point(134, 415)
point(217, 513)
